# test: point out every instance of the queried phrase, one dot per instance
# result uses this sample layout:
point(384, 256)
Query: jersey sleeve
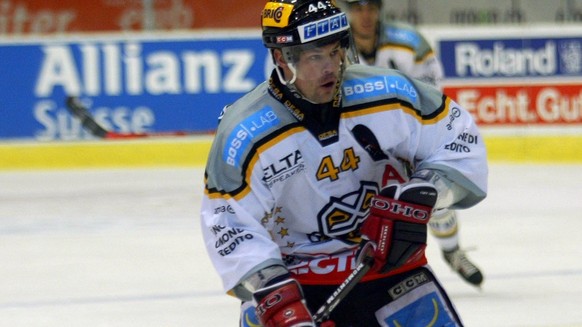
point(450, 142)
point(235, 240)
point(236, 201)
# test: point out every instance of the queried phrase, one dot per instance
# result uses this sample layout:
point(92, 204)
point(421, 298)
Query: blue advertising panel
point(511, 57)
point(130, 83)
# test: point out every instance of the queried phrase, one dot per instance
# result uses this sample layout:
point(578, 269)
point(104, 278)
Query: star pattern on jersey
point(268, 215)
point(283, 232)
point(290, 244)
point(279, 220)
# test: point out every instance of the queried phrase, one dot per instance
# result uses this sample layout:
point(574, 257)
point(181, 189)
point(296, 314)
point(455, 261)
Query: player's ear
point(279, 59)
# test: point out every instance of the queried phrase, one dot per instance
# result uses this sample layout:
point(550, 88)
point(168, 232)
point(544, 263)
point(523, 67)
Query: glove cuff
point(282, 304)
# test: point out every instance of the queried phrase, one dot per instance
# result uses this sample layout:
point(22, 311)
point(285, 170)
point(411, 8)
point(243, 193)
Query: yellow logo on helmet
point(276, 14)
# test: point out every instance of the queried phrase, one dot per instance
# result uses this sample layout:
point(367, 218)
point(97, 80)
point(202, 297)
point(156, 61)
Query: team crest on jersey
point(341, 216)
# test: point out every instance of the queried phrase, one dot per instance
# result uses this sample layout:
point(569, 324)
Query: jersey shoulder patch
point(372, 83)
point(241, 136)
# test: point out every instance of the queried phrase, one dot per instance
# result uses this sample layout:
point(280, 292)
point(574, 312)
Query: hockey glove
point(394, 233)
point(282, 305)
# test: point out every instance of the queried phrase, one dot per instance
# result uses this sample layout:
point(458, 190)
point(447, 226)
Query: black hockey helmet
point(295, 22)
point(294, 26)
point(304, 24)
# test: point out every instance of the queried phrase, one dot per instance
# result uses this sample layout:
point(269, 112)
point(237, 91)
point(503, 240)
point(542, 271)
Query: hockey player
point(391, 44)
point(330, 164)
point(400, 46)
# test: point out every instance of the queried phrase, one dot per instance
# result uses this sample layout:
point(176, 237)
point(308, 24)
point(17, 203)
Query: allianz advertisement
point(527, 81)
point(136, 84)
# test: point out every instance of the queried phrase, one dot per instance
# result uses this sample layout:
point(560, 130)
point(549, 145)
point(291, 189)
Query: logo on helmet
point(276, 14)
point(284, 39)
point(323, 27)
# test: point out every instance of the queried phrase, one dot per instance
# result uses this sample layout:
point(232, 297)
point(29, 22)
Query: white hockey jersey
point(400, 46)
point(284, 186)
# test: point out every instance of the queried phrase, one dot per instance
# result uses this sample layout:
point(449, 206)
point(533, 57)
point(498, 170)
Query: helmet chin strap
point(282, 78)
point(280, 73)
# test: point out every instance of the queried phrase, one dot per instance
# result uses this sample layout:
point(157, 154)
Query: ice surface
point(123, 248)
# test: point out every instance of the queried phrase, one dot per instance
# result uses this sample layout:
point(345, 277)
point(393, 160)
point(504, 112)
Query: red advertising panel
point(538, 104)
point(61, 16)
point(508, 79)
point(227, 14)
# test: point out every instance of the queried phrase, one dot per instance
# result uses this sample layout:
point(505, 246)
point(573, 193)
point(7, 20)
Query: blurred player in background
point(400, 46)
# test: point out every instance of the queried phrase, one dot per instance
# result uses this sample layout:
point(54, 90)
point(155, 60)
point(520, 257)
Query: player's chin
point(327, 91)
point(325, 97)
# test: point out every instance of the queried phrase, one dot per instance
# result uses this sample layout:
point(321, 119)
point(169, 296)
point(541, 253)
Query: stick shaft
point(342, 291)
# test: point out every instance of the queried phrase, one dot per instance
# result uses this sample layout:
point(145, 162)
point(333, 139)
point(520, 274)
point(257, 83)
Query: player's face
point(318, 71)
point(364, 20)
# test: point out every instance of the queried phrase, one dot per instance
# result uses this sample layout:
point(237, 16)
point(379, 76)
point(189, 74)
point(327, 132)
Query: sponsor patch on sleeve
point(241, 136)
point(378, 85)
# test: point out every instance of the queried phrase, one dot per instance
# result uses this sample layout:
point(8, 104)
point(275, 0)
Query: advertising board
point(522, 84)
point(515, 81)
point(500, 57)
point(520, 105)
point(131, 84)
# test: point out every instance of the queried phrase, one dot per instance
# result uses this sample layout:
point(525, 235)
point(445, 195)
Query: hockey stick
point(78, 110)
point(342, 291)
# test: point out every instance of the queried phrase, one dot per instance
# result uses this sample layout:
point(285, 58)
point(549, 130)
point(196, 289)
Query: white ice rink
point(89, 248)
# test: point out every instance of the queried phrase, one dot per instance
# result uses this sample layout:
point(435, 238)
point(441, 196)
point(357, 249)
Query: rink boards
point(522, 86)
point(193, 151)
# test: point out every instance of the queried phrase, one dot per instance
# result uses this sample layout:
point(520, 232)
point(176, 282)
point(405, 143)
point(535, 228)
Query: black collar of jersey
point(321, 120)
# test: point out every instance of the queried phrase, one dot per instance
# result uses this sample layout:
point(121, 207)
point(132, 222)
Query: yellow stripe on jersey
point(241, 193)
point(444, 111)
